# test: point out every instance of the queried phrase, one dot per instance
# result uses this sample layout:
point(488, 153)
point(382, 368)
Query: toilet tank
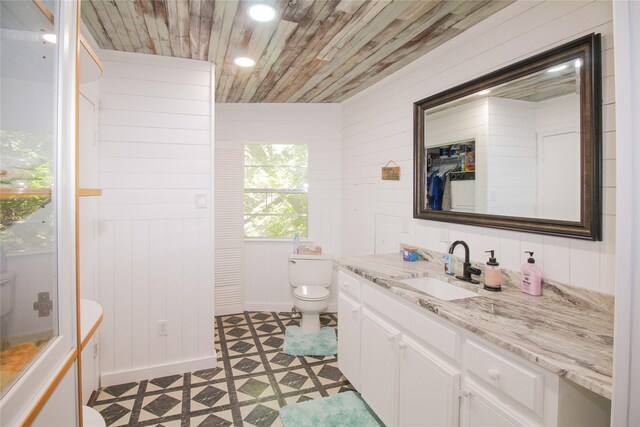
point(310, 270)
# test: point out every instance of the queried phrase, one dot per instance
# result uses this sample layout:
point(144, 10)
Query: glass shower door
point(28, 197)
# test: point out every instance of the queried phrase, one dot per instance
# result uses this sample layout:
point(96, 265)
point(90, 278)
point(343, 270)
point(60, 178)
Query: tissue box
point(310, 250)
point(409, 253)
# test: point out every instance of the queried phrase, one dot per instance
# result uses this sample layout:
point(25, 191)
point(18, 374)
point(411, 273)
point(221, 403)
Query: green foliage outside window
point(25, 163)
point(275, 190)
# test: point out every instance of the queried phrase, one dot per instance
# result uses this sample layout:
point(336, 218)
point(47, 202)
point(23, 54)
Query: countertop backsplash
point(563, 291)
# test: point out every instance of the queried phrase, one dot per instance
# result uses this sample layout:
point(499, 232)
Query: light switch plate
point(201, 200)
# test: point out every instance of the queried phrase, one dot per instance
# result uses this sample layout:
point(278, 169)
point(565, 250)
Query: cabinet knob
point(391, 337)
point(465, 392)
point(494, 374)
point(354, 311)
point(344, 286)
point(402, 345)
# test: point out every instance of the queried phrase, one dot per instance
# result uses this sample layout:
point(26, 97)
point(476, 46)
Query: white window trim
point(306, 239)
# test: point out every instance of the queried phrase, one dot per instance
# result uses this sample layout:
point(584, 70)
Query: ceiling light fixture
point(262, 12)
point(51, 38)
point(556, 69)
point(578, 63)
point(244, 62)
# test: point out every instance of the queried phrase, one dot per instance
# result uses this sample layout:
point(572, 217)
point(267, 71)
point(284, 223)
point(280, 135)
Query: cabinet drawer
point(433, 333)
point(520, 383)
point(349, 285)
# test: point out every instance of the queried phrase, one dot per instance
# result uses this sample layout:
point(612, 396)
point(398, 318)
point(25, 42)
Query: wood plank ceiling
point(314, 51)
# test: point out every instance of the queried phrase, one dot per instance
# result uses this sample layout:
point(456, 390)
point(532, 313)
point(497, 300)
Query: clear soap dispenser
point(492, 274)
point(296, 244)
point(531, 277)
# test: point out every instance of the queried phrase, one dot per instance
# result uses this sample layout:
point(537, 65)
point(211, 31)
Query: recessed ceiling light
point(262, 12)
point(578, 63)
point(556, 69)
point(484, 92)
point(51, 38)
point(244, 62)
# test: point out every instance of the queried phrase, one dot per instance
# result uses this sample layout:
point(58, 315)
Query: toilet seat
point(311, 293)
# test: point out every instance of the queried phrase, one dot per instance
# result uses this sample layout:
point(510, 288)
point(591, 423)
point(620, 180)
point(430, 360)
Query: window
point(275, 190)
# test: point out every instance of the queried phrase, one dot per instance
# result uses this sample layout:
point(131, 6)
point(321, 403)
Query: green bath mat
point(342, 410)
point(322, 343)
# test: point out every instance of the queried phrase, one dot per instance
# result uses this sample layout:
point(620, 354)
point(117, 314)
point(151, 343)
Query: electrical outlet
point(162, 327)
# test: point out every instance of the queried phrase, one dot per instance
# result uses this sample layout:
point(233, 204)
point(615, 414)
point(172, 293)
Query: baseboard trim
point(279, 307)
point(224, 311)
point(149, 372)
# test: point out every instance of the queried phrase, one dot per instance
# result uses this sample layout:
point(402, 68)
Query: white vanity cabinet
point(416, 369)
point(402, 380)
point(478, 411)
point(427, 387)
point(349, 315)
point(379, 366)
point(349, 339)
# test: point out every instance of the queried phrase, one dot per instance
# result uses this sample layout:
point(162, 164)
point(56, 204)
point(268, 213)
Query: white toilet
point(310, 280)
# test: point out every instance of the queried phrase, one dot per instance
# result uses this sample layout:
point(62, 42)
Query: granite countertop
point(567, 330)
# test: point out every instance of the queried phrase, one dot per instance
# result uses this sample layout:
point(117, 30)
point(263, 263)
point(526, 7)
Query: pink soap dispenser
point(531, 277)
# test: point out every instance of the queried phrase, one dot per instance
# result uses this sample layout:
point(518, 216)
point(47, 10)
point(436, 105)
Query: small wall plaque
point(391, 173)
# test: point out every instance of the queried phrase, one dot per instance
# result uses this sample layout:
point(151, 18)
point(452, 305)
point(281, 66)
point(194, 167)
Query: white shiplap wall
point(266, 285)
point(377, 127)
point(511, 158)
point(155, 246)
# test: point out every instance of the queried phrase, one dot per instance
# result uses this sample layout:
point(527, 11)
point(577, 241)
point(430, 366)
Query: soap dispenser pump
point(531, 277)
point(492, 274)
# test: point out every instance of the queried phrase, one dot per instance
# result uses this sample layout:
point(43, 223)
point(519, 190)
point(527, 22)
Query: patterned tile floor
point(252, 381)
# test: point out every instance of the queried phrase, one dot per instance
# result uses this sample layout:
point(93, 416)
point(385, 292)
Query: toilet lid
point(311, 293)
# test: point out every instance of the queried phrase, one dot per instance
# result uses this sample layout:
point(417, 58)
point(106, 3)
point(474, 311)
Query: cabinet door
point(427, 388)
point(349, 339)
point(379, 366)
point(477, 411)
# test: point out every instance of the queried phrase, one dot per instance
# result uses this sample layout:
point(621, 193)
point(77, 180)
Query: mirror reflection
point(510, 150)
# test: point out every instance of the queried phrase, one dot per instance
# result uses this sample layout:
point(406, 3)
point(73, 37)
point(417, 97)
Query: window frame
point(270, 190)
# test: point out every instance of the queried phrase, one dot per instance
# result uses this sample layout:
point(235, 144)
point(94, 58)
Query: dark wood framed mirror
point(518, 149)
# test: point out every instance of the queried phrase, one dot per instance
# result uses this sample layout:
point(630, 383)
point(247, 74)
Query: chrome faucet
point(467, 270)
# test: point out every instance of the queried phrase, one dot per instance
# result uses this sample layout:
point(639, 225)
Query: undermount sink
point(439, 288)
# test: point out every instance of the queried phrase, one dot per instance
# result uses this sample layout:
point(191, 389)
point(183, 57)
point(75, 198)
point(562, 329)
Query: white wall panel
point(189, 288)
point(266, 282)
point(115, 133)
point(122, 295)
point(152, 119)
point(127, 67)
point(156, 260)
point(146, 150)
point(141, 276)
point(154, 103)
point(179, 91)
point(174, 286)
point(106, 291)
point(377, 127)
point(155, 166)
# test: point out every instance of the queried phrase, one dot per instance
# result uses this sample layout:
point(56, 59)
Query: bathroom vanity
point(496, 359)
